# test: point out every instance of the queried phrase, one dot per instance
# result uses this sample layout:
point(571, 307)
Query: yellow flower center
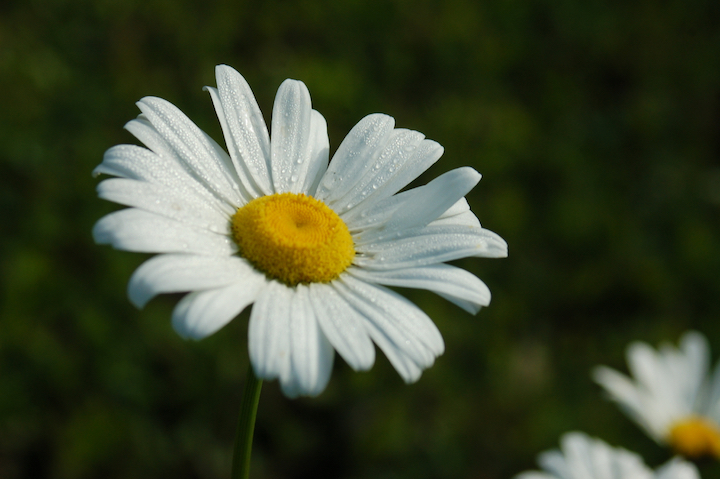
point(293, 238)
point(695, 437)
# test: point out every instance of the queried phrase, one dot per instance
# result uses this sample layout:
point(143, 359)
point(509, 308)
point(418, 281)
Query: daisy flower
point(583, 457)
point(671, 395)
point(308, 242)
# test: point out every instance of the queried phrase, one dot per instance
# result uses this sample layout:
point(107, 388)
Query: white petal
point(712, 404)
point(469, 306)
point(356, 155)
point(312, 354)
point(422, 205)
point(201, 313)
point(693, 368)
point(132, 229)
point(143, 130)
point(458, 214)
point(289, 385)
point(319, 152)
point(455, 284)
point(440, 194)
point(401, 314)
point(177, 273)
point(137, 163)
point(676, 468)
point(644, 364)
point(653, 372)
point(535, 475)
point(630, 466)
point(619, 386)
point(402, 157)
point(460, 207)
point(183, 206)
point(554, 462)
point(364, 219)
point(343, 326)
point(583, 457)
point(374, 179)
point(633, 400)
point(291, 146)
point(577, 450)
point(403, 363)
point(373, 218)
point(202, 157)
point(429, 245)
point(422, 158)
point(467, 218)
point(407, 333)
point(244, 129)
point(603, 460)
point(269, 332)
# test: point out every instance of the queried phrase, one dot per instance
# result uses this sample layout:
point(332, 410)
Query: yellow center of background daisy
point(293, 238)
point(695, 437)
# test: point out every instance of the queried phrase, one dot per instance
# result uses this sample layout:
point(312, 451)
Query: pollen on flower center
point(293, 238)
point(695, 437)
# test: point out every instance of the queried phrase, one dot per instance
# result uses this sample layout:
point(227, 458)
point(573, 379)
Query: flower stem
point(246, 426)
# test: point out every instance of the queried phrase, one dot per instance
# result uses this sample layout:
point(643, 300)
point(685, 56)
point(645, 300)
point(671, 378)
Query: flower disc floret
point(293, 238)
point(695, 437)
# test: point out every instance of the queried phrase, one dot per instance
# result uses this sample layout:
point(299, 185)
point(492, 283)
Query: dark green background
point(596, 126)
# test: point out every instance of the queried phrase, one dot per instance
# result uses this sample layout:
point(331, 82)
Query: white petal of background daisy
point(583, 457)
point(307, 242)
point(670, 394)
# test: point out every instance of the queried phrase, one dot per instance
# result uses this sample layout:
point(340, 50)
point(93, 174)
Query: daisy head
point(309, 243)
point(670, 394)
point(583, 457)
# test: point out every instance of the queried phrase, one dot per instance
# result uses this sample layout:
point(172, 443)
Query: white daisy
point(671, 395)
point(583, 457)
point(307, 242)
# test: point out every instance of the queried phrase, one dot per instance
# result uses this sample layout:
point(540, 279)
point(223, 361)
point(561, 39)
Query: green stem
point(246, 426)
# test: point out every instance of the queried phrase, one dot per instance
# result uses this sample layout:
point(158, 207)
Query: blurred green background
point(596, 126)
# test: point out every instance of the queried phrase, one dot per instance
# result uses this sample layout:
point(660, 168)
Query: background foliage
point(596, 126)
